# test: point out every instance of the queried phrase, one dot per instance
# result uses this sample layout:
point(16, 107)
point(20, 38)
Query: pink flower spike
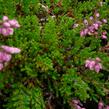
point(6, 24)
point(4, 57)
point(1, 66)
point(5, 18)
point(11, 50)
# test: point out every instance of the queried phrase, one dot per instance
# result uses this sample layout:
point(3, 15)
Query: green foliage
point(51, 65)
point(25, 98)
point(72, 85)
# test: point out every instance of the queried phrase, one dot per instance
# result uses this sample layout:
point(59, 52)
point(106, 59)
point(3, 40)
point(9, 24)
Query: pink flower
point(97, 15)
point(107, 107)
point(1, 66)
point(104, 33)
point(78, 107)
point(91, 17)
point(96, 26)
point(100, 105)
point(11, 50)
point(98, 67)
point(75, 101)
point(4, 31)
point(10, 31)
point(7, 31)
point(98, 59)
point(94, 64)
point(5, 18)
point(4, 57)
point(91, 28)
point(82, 33)
point(104, 20)
point(85, 31)
point(0, 30)
point(91, 65)
point(14, 23)
point(104, 37)
point(87, 63)
point(6, 24)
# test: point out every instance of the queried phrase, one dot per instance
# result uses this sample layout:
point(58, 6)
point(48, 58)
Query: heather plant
point(62, 60)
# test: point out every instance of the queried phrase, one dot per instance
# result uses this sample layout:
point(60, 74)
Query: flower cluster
point(101, 105)
point(7, 26)
point(92, 25)
point(94, 64)
point(6, 54)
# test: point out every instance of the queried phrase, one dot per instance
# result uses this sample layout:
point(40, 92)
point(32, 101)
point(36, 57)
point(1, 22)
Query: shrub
point(51, 71)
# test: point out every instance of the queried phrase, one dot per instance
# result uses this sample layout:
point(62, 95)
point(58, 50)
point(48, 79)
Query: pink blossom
point(5, 18)
point(104, 20)
point(78, 107)
point(107, 107)
point(100, 105)
point(96, 26)
point(4, 57)
point(98, 67)
point(87, 63)
point(75, 101)
point(104, 37)
point(97, 15)
point(6, 24)
point(7, 31)
point(91, 65)
point(4, 31)
point(0, 30)
point(85, 31)
point(91, 28)
point(91, 17)
point(14, 23)
point(1, 66)
point(104, 33)
point(98, 59)
point(11, 50)
point(82, 33)
point(94, 64)
point(10, 31)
